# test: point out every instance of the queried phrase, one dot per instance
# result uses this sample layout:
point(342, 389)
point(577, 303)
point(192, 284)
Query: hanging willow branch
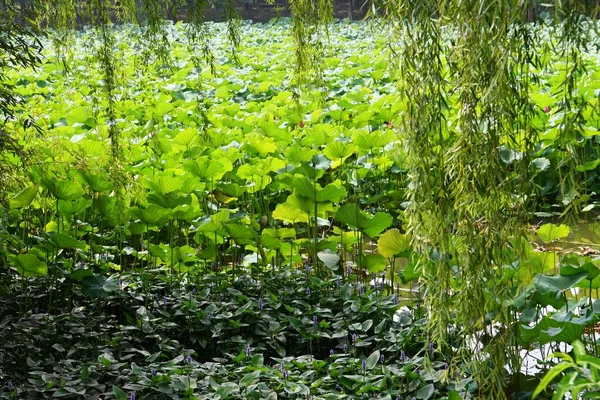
point(233, 27)
point(308, 30)
point(20, 47)
point(470, 188)
point(572, 29)
point(199, 37)
point(155, 33)
point(104, 53)
point(486, 209)
point(200, 47)
point(424, 88)
point(62, 16)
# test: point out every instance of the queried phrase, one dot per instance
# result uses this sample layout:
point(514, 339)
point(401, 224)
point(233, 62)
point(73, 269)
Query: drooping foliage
point(20, 47)
point(309, 32)
point(470, 185)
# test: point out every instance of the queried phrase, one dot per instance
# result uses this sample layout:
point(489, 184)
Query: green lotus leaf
point(260, 145)
point(191, 184)
point(305, 187)
point(338, 152)
point(551, 232)
point(184, 254)
point(260, 168)
point(24, 197)
point(161, 109)
point(297, 154)
point(354, 218)
point(558, 283)
point(105, 205)
point(64, 241)
point(63, 190)
point(248, 171)
point(186, 137)
point(410, 272)
point(209, 170)
point(374, 263)
point(169, 200)
point(231, 189)
point(80, 273)
point(285, 233)
point(392, 243)
point(164, 184)
point(308, 205)
point(93, 148)
point(151, 215)
point(79, 115)
point(29, 265)
point(350, 215)
point(317, 137)
point(290, 214)
point(549, 330)
point(241, 234)
point(215, 222)
point(158, 251)
point(370, 140)
point(136, 228)
point(271, 129)
point(319, 161)
point(269, 239)
point(97, 183)
point(590, 268)
point(73, 207)
point(589, 166)
point(331, 192)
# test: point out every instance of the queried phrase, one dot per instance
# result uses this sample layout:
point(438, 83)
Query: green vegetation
point(301, 209)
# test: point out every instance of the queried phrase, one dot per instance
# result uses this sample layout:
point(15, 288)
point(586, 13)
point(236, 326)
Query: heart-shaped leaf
point(329, 258)
point(98, 286)
point(249, 378)
point(426, 392)
point(373, 359)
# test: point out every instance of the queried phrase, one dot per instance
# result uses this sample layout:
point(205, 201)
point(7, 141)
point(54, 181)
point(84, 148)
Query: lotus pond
point(249, 242)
